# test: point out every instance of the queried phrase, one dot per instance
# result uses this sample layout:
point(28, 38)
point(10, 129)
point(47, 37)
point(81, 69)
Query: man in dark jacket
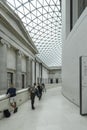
point(11, 92)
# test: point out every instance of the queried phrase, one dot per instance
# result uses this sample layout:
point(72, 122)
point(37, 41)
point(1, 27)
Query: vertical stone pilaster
point(30, 71)
point(75, 11)
point(65, 19)
point(3, 65)
point(40, 73)
point(27, 72)
point(33, 72)
point(19, 70)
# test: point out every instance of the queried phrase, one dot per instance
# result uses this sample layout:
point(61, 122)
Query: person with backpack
point(40, 90)
point(32, 91)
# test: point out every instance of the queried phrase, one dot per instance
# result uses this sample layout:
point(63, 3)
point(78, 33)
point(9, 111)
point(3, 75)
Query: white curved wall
point(74, 47)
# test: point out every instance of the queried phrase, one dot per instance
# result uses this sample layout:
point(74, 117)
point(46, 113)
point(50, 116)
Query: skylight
point(42, 19)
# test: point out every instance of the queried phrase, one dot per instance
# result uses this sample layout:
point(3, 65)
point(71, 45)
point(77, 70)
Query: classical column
point(19, 70)
point(33, 72)
point(27, 72)
point(30, 71)
point(3, 64)
point(41, 72)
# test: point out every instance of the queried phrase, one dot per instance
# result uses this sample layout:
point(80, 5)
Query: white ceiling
point(42, 19)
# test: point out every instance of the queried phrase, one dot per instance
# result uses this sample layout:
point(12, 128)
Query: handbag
point(6, 113)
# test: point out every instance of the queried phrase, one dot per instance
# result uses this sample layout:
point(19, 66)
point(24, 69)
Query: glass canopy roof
point(42, 19)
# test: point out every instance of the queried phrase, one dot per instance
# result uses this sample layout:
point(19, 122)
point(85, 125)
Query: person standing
point(11, 92)
point(32, 96)
point(40, 90)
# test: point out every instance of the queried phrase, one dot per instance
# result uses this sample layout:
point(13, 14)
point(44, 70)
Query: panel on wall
point(23, 64)
point(11, 59)
point(83, 85)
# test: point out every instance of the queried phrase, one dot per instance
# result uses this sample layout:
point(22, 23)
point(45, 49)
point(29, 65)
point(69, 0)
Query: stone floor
point(53, 112)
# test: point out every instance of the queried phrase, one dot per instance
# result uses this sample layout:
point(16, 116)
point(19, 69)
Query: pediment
point(11, 21)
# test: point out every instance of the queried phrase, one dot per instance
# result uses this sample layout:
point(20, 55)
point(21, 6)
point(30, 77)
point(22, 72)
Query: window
point(9, 78)
point(51, 81)
point(56, 80)
point(22, 80)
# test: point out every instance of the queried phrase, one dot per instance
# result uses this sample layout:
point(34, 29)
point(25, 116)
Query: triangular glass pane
point(20, 14)
point(33, 1)
point(24, 20)
point(34, 24)
point(56, 9)
point(27, 20)
point(34, 13)
point(21, 9)
point(33, 16)
point(24, 1)
point(46, 8)
point(26, 10)
point(27, 5)
point(44, 19)
point(38, 14)
point(52, 7)
point(31, 7)
point(38, 5)
point(45, 3)
point(30, 28)
point(28, 16)
point(11, 2)
point(52, 2)
point(57, 2)
point(46, 15)
point(17, 3)
point(38, 21)
point(44, 11)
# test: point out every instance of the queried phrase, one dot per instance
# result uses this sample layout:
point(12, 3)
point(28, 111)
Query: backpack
point(6, 113)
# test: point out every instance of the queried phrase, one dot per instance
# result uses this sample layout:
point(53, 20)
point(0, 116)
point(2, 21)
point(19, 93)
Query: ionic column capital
point(4, 42)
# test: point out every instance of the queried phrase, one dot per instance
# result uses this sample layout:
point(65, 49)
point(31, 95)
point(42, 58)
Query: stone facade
point(15, 43)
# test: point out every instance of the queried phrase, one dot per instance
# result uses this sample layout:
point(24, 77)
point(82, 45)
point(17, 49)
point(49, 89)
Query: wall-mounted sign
point(83, 85)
